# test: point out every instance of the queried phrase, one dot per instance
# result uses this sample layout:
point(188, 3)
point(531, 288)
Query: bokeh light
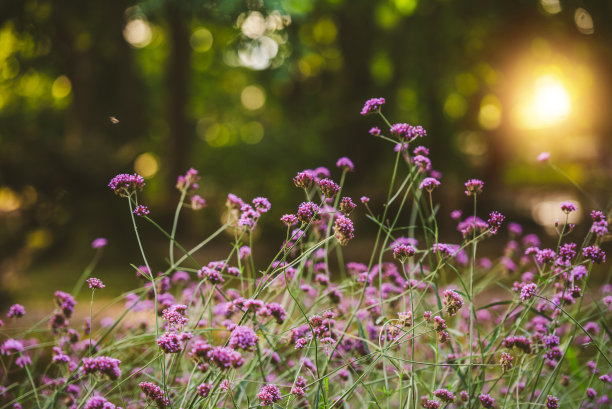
point(137, 33)
point(146, 164)
point(253, 97)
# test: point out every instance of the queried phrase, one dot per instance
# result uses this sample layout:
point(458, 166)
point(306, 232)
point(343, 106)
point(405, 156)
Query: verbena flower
point(595, 254)
point(486, 400)
point(345, 164)
point(375, 131)
point(452, 302)
point(141, 210)
point(552, 402)
point(98, 402)
point(155, 393)
point(444, 395)
point(269, 394)
point(372, 105)
point(473, 187)
point(429, 184)
point(544, 157)
point(401, 252)
point(173, 342)
point(347, 205)
point(95, 283)
point(204, 389)
point(103, 365)
point(495, 221)
point(528, 291)
point(568, 207)
point(225, 358)
point(16, 311)
point(98, 243)
point(243, 338)
point(304, 179)
point(344, 230)
point(329, 188)
point(125, 184)
point(307, 211)
point(262, 205)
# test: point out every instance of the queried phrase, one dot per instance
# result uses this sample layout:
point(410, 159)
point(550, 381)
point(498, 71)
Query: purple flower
point(124, 184)
point(347, 205)
point(439, 323)
point(277, 311)
point(16, 310)
point(506, 361)
point(243, 338)
point(154, 393)
point(141, 210)
point(545, 256)
point(329, 188)
point(95, 283)
point(98, 402)
point(306, 211)
point(568, 207)
point(173, 342)
point(104, 365)
point(175, 315)
point(474, 187)
point(65, 302)
point(495, 221)
point(262, 204)
point(552, 402)
point(98, 243)
point(304, 179)
point(345, 164)
point(23, 361)
point(188, 181)
point(204, 389)
point(344, 230)
point(429, 404)
point(248, 217)
point(197, 202)
point(10, 346)
point(407, 132)
point(486, 400)
point(234, 202)
point(591, 393)
point(528, 291)
point(365, 199)
point(225, 357)
point(429, 184)
point(600, 223)
point(289, 219)
point(444, 395)
point(543, 157)
point(595, 254)
point(375, 131)
point(372, 105)
point(421, 150)
point(401, 252)
point(269, 394)
point(422, 162)
point(452, 302)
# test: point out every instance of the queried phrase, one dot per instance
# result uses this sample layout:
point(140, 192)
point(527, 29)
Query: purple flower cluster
point(473, 187)
point(269, 394)
point(175, 315)
point(347, 206)
point(141, 210)
point(429, 184)
point(104, 365)
point(568, 207)
point(595, 254)
point(188, 181)
point(204, 389)
point(173, 342)
point(10, 346)
point(304, 179)
point(329, 188)
point(600, 223)
point(95, 283)
point(307, 211)
point(444, 395)
point(98, 402)
point(16, 311)
point(372, 105)
point(344, 230)
point(401, 252)
point(155, 393)
point(495, 221)
point(452, 302)
point(486, 400)
point(406, 132)
point(243, 338)
point(345, 164)
point(528, 291)
point(225, 358)
point(124, 184)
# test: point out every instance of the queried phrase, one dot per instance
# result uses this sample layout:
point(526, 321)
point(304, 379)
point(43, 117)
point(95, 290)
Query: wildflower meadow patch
point(410, 324)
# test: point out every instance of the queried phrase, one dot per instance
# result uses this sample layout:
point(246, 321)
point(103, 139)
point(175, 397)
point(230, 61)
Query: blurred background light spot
point(490, 114)
point(253, 97)
point(254, 25)
point(385, 16)
point(381, 68)
point(61, 87)
point(472, 143)
point(406, 7)
point(10, 68)
point(252, 132)
point(324, 31)
point(455, 106)
point(584, 21)
point(146, 165)
point(39, 239)
point(549, 103)
point(466, 83)
point(9, 200)
point(547, 211)
point(138, 33)
point(256, 54)
point(218, 135)
point(551, 6)
point(201, 40)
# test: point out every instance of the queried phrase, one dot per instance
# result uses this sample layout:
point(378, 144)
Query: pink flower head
point(16, 310)
point(124, 184)
point(269, 394)
point(306, 211)
point(372, 105)
point(344, 230)
point(243, 338)
point(329, 188)
point(304, 179)
point(98, 243)
point(544, 157)
point(401, 252)
point(568, 207)
point(345, 164)
point(474, 187)
point(289, 220)
point(141, 210)
point(429, 184)
point(95, 283)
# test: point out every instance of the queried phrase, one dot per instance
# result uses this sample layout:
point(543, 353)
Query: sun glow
point(548, 104)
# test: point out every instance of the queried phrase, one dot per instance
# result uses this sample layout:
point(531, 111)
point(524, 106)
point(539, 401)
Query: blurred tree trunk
point(177, 83)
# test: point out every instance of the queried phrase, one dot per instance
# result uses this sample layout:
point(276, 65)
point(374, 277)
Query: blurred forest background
point(251, 92)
